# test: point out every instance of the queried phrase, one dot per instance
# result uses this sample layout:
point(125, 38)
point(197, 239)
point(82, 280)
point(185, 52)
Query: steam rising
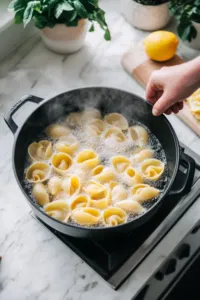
point(107, 101)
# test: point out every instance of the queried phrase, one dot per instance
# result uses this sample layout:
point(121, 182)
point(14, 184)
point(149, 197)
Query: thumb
point(161, 105)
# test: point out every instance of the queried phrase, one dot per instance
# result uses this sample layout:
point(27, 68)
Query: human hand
point(170, 86)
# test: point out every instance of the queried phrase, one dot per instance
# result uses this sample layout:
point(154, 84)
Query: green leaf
point(185, 12)
point(11, 6)
point(40, 21)
point(18, 19)
point(193, 33)
point(52, 12)
point(65, 6)
point(184, 31)
point(82, 12)
point(93, 2)
point(100, 18)
point(44, 8)
point(51, 3)
point(17, 5)
point(92, 16)
point(51, 24)
point(107, 35)
point(28, 13)
point(196, 18)
point(91, 28)
point(74, 23)
point(73, 16)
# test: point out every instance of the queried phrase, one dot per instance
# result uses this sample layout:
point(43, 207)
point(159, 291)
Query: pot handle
point(8, 116)
point(189, 163)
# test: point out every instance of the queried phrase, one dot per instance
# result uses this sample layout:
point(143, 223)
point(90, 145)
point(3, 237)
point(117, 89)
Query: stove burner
point(115, 260)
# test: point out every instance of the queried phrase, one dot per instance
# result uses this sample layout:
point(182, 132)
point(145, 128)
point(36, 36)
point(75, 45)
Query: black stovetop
point(114, 260)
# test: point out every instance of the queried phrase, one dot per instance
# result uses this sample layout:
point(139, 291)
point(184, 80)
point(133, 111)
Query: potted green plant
point(147, 15)
point(62, 23)
point(187, 14)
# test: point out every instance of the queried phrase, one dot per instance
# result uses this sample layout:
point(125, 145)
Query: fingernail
point(155, 112)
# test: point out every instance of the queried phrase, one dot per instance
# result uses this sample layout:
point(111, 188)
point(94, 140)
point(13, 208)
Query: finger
point(181, 105)
point(175, 108)
point(168, 111)
point(151, 91)
point(162, 105)
point(151, 96)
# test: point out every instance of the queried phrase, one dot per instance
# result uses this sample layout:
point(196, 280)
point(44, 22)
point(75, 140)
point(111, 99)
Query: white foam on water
point(106, 149)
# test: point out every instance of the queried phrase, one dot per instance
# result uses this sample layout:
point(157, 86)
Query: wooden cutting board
point(140, 67)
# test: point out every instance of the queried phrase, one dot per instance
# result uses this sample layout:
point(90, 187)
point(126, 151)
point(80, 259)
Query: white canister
point(63, 39)
point(195, 43)
point(145, 17)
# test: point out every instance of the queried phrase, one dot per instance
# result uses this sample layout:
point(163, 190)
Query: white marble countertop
point(35, 264)
point(5, 16)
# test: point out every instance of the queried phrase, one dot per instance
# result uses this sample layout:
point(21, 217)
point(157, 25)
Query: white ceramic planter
point(195, 44)
point(62, 39)
point(145, 17)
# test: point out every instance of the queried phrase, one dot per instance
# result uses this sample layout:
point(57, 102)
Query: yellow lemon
point(161, 45)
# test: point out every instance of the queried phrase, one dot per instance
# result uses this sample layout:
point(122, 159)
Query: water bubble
point(106, 148)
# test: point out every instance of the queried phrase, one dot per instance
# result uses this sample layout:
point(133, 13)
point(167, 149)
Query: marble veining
point(35, 264)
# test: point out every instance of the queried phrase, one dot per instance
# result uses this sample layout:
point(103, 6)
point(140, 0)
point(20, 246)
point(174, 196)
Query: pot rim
point(137, 218)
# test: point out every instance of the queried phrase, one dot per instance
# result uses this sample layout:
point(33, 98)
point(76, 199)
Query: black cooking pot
point(107, 100)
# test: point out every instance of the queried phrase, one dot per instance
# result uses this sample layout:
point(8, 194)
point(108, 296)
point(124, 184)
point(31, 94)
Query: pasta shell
point(87, 159)
point(131, 176)
point(71, 185)
point(99, 194)
point(40, 194)
point(90, 113)
point(118, 120)
point(55, 185)
point(61, 162)
point(120, 163)
point(130, 206)
point(86, 216)
point(112, 184)
point(114, 216)
point(114, 135)
point(58, 210)
point(138, 150)
point(95, 189)
point(142, 155)
point(67, 144)
point(103, 174)
point(38, 172)
point(40, 151)
point(55, 131)
point(144, 192)
point(79, 201)
point(95, 127)
point(138, 135)
point(152, 169)
point(74, 119)
point(118, 193)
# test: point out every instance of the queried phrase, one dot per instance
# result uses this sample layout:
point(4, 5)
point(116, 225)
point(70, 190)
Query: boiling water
point(106, 150)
